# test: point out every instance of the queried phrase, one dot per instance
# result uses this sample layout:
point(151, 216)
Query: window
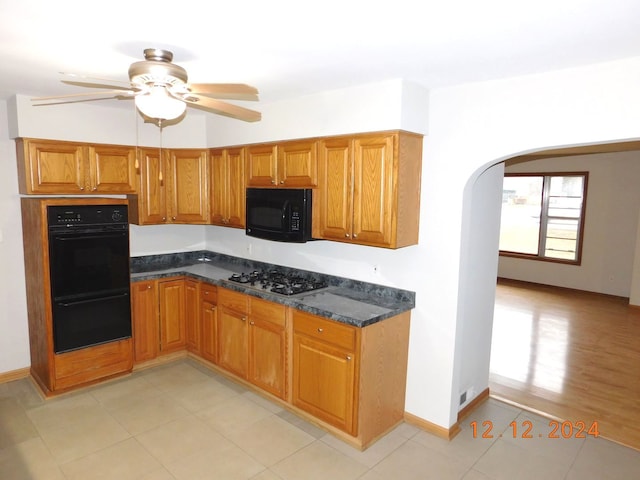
point(543, 216)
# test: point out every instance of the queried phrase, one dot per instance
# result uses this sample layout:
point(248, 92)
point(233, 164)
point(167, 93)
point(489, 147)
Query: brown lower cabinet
point(161, 310)
point(325, 366)
point(348, 380)
point(252, 340)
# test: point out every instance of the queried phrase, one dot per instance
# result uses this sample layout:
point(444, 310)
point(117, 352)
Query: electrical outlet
point(463, 398)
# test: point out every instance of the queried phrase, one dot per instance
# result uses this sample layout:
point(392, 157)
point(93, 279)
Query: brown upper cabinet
point(57, 167)
point(172, 189)
point(369, 189)
point(288, 164)
point(228, 187)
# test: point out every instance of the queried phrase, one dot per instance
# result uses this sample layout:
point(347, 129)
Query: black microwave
point(281, 214)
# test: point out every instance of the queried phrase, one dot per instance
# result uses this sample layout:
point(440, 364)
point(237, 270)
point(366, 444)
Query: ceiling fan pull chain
point(160, 153)
point(136, 163)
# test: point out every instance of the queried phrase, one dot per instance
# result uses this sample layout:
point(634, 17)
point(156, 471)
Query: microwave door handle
point(285, 214)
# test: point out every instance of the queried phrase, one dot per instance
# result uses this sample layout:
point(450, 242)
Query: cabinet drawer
point(236, 301)
point(89, 364)
point(269, 311)
point(326, 330)
point(209, 293)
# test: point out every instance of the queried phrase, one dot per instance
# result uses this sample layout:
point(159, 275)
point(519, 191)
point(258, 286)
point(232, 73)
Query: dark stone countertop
point(348, 301)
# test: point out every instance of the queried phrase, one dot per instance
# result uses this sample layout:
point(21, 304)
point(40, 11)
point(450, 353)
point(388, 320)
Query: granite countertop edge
point(342, 304)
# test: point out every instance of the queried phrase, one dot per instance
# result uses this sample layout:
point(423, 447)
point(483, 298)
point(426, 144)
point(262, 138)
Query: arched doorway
point(556, 329)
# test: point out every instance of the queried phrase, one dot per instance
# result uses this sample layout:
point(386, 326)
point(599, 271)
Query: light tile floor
point(182, 421)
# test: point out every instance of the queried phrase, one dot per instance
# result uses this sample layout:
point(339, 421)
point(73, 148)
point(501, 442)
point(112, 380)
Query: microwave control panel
point(295, 220)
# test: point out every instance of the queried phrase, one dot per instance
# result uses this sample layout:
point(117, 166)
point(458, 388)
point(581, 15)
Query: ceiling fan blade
point(232, 91)
point(98, 85)
point(80, 78)
point(130, 93)
point(63, 101)
point(222, 108)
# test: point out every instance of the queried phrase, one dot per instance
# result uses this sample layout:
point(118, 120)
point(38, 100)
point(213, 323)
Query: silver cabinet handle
point(348, 358)
point(320, 330)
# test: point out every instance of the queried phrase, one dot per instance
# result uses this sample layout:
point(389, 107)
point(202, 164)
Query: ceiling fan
point(161, 91)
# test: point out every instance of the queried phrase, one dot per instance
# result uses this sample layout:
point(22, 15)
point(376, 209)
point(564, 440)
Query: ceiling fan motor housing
point(157, 69)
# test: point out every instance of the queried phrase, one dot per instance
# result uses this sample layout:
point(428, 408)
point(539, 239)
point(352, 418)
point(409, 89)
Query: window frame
point(544, 208)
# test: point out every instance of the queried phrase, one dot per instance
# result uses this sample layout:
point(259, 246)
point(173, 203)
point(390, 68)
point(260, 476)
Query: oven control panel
point(87, 214)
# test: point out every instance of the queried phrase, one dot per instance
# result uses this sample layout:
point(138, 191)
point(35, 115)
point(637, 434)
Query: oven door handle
point(98, 299)
point(86, 236)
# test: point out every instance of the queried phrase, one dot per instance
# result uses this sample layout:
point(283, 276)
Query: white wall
point(470, 128)
point(14, 333)
point(100, 122)
point(367, 108)
point(480, 233)
point(610, 232)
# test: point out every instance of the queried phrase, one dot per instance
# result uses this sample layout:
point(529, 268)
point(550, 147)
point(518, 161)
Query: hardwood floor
point(570, 354)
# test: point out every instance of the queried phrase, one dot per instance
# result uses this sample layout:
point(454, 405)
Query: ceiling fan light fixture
point(159, 104)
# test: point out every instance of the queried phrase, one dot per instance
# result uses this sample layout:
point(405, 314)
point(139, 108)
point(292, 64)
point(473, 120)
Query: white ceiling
point(289, 48)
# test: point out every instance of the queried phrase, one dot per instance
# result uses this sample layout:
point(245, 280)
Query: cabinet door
point(261, 166)
point(51, 167)
point(219, 187)
point(298, 164)
point(228, 187)
point(232, 341)
point(172, 315)
point(188, 200)
point(236, 192)
point(192, 316)
point(373, 190)
point(152, 201)
point(334, 195)
point(144, 312)
point(112, 169)
point(324, 379)
point(209, 320)
point(267, 347)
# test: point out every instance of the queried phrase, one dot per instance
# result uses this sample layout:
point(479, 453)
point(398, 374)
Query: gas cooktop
point(275, 281)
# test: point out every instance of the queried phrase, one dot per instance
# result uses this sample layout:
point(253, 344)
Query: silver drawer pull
point(320, 330)
point(348, 358)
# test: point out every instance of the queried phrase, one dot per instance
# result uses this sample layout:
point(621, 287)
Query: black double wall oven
point(89, 274)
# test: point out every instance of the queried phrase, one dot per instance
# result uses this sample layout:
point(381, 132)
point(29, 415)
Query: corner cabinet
point(369, 189)
point(173, 187)
point(228, 187)
point(68, 168)
point(252, 340)
point(161, 310)
point(287, 164)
